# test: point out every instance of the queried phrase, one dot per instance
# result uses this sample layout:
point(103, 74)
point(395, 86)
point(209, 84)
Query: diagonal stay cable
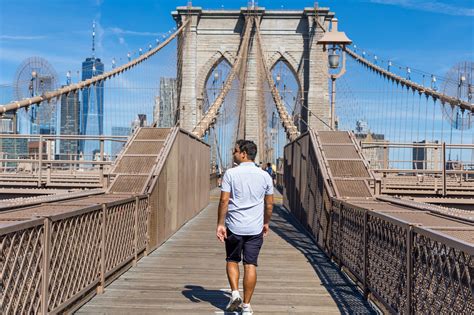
point(83, 84)
point(201, 128)
point(290, 128)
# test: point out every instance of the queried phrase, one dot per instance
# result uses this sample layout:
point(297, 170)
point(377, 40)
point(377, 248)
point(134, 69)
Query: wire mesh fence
point(423, 267)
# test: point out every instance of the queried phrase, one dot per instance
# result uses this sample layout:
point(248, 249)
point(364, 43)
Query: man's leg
point(252, 246)
point(233, 246)
point(233, 275)
point(250, 280)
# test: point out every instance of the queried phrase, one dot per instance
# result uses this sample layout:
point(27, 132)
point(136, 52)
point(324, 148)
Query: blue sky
point(426, 35)
point(431, 36)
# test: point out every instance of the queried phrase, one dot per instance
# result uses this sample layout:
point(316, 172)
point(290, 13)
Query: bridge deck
point(187, 275)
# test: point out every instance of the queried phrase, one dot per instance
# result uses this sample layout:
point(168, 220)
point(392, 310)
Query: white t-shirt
point(247, 185)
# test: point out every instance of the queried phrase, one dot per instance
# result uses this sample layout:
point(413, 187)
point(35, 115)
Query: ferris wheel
point(36, 76)
point(459, 83)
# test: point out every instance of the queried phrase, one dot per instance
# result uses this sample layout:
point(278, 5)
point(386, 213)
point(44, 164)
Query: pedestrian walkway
point(186, 275)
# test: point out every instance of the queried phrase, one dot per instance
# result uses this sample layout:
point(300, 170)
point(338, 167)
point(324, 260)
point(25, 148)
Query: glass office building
point(92, 109)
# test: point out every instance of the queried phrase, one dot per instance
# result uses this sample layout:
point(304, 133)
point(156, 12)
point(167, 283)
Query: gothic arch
point(292, 64)
point(206, 71)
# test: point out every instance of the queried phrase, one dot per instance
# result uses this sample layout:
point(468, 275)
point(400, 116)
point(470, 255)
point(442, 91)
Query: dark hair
point(269, 164)
point(248, 147)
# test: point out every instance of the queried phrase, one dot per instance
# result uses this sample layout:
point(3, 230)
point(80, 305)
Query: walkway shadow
point(217, 298)
point(344, 292)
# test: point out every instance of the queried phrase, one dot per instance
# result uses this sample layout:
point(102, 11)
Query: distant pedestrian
point(269, 169)
point(219, 175)
point(245, 209)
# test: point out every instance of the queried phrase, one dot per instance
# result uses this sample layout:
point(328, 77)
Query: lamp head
point(334, 37)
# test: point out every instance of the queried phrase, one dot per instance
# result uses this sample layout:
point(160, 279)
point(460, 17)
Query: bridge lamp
point(337, 42)
point(333, 57)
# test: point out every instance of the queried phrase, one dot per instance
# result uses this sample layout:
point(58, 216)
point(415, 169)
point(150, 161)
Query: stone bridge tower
point(291, 36)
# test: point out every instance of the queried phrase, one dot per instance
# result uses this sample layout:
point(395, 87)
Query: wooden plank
point(187, 275)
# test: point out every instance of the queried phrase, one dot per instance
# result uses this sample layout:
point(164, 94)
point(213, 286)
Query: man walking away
point(245, 209)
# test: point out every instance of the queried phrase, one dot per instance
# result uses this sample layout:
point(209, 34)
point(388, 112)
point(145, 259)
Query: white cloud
point(119, 31)
point(429, 6)
point(19, 37)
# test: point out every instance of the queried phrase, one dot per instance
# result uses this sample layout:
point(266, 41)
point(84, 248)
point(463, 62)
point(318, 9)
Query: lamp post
point(337, 42)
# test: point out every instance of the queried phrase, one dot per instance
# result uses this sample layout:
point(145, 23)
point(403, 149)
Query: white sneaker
point(234, 304)
point(247, 310)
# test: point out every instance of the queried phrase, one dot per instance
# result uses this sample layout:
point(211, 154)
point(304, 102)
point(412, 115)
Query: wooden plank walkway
point(186, 275)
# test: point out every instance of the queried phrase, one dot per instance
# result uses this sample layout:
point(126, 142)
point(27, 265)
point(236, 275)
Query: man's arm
point(221, 231)
point(268, 214)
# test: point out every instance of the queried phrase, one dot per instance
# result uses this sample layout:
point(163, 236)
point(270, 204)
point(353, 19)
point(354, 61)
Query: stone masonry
point(214, 35)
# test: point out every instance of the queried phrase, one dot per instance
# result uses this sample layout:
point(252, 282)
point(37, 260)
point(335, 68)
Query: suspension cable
point(86, 83)
point(290, 128)
point(201, 128)
point(406, 82)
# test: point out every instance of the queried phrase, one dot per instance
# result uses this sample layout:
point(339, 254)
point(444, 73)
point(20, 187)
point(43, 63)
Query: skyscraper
point(70, 113)
point(425, 156)
point(165, 104)
point(92, 109)
point(377, 156)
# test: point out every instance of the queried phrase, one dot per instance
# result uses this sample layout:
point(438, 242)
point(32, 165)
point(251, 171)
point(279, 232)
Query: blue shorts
point(248, 245)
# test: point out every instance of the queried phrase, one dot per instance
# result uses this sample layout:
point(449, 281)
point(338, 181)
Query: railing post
point(103, 247)
point(147, 225)
point(46, 266)
point(135, 259)
point(444, 167)
point(101, 166)
point(40, 159)
point(377, 186)
point(330, 240)
point(339, 227)
point(49, 156)
point(366, 252)
point(436, 168)
point(48, 174)
point(409, 266)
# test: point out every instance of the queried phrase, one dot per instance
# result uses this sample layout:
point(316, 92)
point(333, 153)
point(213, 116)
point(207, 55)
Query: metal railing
point(410, 269)
point(49, 262)
point(406, 267)
point(43, 165)
point(421, 166)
